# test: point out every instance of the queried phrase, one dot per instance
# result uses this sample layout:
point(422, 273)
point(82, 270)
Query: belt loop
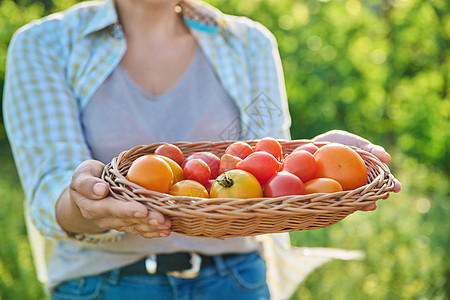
point(113, 277)
point(220, 265)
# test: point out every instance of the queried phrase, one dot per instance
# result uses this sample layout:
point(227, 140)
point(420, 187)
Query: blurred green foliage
point(378, 68)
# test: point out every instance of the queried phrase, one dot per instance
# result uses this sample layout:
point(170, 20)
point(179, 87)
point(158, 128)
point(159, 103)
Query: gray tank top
point(121, 115)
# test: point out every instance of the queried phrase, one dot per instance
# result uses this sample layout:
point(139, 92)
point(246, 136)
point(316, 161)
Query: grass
point(406, 242)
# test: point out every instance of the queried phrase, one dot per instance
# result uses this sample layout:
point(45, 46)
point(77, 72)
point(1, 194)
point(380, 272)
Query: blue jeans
point(238, 278)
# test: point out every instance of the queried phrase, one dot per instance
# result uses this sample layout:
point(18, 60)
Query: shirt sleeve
point(41, 117)
point(267, 83)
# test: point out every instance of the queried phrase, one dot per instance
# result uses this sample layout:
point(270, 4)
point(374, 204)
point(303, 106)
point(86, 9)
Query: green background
point(379, 69)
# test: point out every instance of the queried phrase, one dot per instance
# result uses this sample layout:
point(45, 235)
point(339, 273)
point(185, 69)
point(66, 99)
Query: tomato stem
point(225, 180)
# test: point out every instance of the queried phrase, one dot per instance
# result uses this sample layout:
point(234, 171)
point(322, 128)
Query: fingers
point(369, 207)
point(86, 180)
point(109, 207)
point(397, 186)
point(379, 152)
point(132, 217)
point(135, 226)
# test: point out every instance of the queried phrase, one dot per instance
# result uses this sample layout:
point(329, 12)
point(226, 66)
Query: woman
point(84, 85)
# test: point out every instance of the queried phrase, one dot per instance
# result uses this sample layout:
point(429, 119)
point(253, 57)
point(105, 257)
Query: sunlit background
point(376, 68)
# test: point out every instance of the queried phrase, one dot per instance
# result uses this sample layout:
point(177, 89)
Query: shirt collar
point(197, 14)
point(103, 18)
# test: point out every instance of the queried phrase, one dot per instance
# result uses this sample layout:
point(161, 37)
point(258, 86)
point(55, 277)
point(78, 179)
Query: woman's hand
point(346, 138)
point(86, 208)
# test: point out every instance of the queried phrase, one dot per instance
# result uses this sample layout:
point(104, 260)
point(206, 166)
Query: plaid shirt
point(55, 64)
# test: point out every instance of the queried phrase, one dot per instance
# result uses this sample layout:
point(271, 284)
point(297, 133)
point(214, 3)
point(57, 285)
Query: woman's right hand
point(85, 207)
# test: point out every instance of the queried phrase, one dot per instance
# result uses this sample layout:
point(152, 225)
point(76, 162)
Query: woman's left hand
point(346, 138)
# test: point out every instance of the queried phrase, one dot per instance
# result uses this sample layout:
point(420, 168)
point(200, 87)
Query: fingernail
point(139, 214)
point(99, 189)
point(162, 234)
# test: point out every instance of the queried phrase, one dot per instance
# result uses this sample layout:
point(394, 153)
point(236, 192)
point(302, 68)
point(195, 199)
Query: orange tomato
point(270, 145)
point(228, 162)
point(178, 173)
point(152, 173)
point(171, 151)
point(322, 185)
point(341, 163)
point(189, 188)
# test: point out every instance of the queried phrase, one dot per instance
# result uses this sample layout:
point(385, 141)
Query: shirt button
point(116, 31)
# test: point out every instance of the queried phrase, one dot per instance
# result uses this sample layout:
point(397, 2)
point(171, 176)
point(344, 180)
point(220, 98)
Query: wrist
point(70, 218)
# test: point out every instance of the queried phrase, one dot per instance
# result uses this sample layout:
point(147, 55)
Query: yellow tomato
point(236, 184)
point(189, 188)
point(178, 173)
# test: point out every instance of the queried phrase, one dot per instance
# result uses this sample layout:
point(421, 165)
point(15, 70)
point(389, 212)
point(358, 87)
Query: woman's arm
point(41, 116)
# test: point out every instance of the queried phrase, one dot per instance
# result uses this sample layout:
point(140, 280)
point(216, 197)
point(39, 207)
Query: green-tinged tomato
point(236, 184)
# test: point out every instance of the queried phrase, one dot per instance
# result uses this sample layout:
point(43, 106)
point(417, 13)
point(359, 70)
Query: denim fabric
point(240, 277)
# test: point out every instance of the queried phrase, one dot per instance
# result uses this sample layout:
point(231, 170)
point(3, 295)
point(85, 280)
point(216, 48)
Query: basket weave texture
point(230, 217)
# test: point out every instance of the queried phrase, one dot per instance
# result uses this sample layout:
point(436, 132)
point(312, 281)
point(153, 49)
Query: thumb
point(100, 189)
point(86, 181)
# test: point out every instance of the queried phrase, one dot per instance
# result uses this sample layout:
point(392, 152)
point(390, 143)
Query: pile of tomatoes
point(244, 171)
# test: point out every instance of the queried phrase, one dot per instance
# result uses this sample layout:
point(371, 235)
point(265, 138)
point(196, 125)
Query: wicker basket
point(223, 217)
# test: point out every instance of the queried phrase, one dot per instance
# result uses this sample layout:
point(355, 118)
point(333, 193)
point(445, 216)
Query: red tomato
point(301, 163)
point(210, 158)
point(322, 185)
point(171, 151)
point(228, 162)
point(341, 163)
point(261, 164)
point(209, 184)
point(239, 149)
point(236, 184)
point(270, 145)
point(283, 184)
point(197, 170)
point(310, 147)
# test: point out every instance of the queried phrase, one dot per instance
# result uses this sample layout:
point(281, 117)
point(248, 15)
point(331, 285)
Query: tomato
point(198, 170)
point(228, 162)
point(301, 163)
point(270, 145)
point(236, 184)
point(178, 173)
point(310, 147)
point(211, 159)
point(341, 163)
point(322, 185)
point(171, 151)
point(189, 188)
point(208, 184)
point(260, 164)
point(239, 149)
point(152, 173)
point(283, 184)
